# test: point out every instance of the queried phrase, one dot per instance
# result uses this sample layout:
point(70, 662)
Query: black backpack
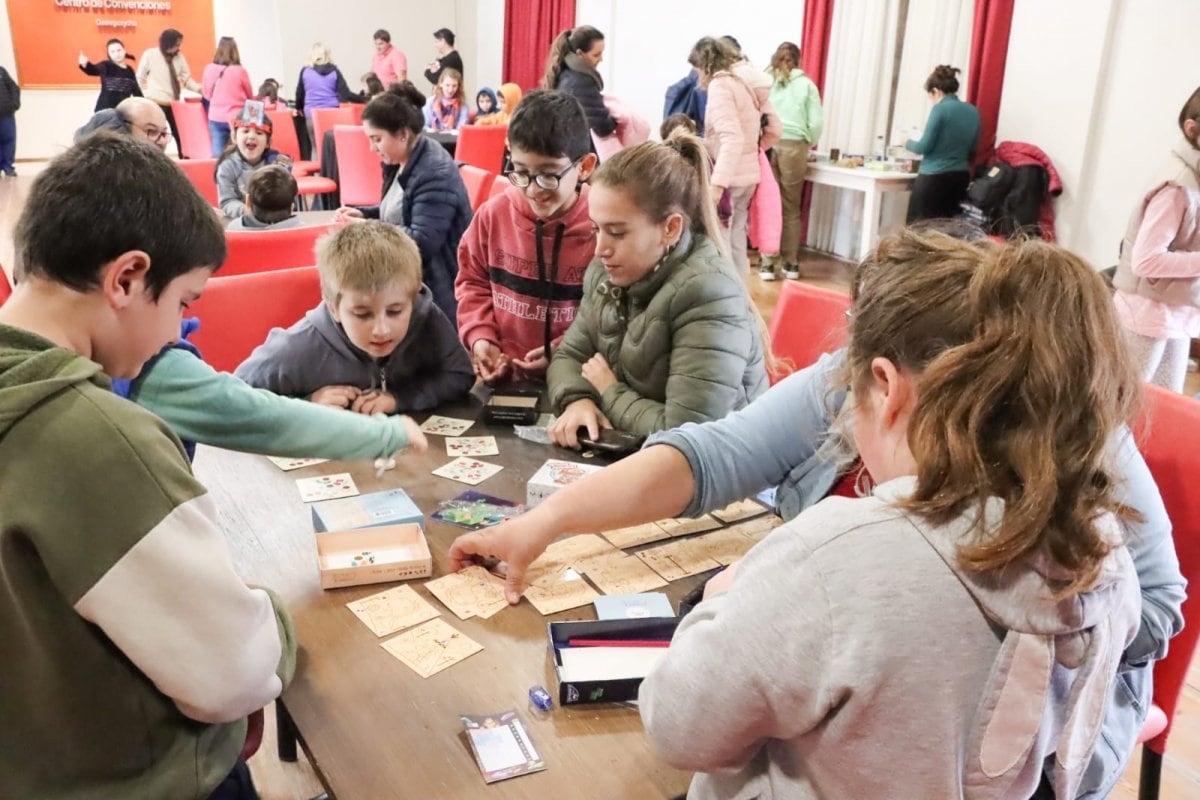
point(991, 186)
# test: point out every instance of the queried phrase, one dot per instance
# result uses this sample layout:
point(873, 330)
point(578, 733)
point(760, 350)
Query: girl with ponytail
point(571, 68)
point(666, 332)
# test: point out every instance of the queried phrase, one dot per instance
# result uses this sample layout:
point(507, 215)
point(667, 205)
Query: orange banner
point(48, 35)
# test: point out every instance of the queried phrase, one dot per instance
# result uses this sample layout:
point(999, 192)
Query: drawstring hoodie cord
point(548, 296)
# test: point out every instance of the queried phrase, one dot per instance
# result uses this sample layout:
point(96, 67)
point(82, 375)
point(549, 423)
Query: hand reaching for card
point(580, 414)
point(417, 443)
point(518, 542)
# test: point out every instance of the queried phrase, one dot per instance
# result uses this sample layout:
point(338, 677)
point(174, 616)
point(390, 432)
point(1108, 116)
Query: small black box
point(617, 690)
point(513, 404)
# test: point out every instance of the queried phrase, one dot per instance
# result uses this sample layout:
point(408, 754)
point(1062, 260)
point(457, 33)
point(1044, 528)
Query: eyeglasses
point(549, 182)
point(155, 133)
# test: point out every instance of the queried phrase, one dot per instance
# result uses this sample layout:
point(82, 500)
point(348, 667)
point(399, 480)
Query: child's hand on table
point(582, 413)
point(517, 542)
point(374, 402)
point(335, 396)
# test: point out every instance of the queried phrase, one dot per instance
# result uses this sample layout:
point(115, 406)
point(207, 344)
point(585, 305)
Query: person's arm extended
point(1152, 256)
point(185, 75)
point(218, 409)
point(929, 139)
point(91, 69)
point(599, 118)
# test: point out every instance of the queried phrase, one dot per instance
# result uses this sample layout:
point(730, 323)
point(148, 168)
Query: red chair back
point(499, 184)
point(356, 110)
point(192, 124)
point(237, 312)
point(478, 182)
point(482, 146)
point(202, 173)
point(1169, 437)
point(361, 183)
point(268, 250)
point(323, 120)
point(283, 133)
point(5, 287)
point(807, 322)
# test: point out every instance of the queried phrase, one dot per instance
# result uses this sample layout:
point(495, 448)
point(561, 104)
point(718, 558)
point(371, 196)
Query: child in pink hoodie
point(522, 260)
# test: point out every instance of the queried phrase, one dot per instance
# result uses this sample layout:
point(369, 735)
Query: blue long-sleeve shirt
point(951, 135)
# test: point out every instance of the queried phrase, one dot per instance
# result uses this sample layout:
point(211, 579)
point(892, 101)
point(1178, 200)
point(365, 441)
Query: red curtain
point(529, 28)
point(814, 44)
point(985, 81)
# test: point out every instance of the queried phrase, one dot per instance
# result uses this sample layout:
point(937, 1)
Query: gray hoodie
point(427, 368)
point(852, 658)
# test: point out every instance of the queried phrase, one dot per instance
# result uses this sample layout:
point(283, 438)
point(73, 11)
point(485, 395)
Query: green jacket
point(951, 135)
point(798, 104)
point(683, 342)
point(132, 650)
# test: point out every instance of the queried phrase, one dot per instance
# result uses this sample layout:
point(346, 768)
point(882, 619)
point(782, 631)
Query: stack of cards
point(502, 746)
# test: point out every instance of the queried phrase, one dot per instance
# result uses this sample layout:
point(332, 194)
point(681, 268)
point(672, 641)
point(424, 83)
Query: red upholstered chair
point(356, 110)
point(499, 184)
point(482, 146)
point(237, 312)
point(5, 287)
point(323, 120)
point(358, 168)
point(1169, 437)
point(202, 173)
point(192, 123)
point(283, 139)
point(807, 322)
point(267, 250)
point(478, 182)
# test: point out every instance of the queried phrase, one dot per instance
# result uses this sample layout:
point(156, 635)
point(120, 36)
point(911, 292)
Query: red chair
point(356, 109)
point(358, 167)
point(5, 287)
point(283, 139)
point(1169, 438)
point(264, 251)
point(202, 173)
point(192, 124)
point(807, 322)
point(237, 312)
point(499, 184)
point(478, 182)
point(482, 146)
point(323, 120)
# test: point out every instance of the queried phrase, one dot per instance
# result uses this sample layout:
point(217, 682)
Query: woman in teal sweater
point(947, 146)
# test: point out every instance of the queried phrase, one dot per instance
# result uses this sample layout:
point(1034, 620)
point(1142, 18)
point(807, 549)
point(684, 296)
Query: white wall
point(647, 43)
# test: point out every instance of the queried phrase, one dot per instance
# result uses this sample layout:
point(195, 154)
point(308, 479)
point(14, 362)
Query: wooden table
point(872, 183)
point(371, 726)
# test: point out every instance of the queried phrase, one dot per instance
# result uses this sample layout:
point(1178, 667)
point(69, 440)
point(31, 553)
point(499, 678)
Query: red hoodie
point(502, 285)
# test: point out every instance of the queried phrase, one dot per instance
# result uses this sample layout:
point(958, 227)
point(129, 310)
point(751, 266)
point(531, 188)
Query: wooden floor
point(280, 781)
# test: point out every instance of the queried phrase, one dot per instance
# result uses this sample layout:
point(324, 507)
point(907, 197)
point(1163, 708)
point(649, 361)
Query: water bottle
point(880, 149)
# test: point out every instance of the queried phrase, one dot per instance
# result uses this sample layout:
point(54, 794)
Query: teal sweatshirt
point(951, 135)
point(798, 104)
point(215, 408)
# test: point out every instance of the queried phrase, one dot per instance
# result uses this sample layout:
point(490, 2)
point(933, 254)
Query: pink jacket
point(766, 211)
point(227, 89)
point(389, 65)
point(732, 122)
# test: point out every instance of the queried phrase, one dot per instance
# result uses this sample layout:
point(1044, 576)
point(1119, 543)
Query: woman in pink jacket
point(1158, 274)
point(225, 84)
point(733, 128)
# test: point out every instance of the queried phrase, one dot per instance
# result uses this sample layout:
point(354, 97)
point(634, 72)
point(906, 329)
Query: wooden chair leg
point(285, 733)
point(1151, 774)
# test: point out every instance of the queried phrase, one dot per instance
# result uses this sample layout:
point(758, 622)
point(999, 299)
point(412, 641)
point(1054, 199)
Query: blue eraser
point(541, 698)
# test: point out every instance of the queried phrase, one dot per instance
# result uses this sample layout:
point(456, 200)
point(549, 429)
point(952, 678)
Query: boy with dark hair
point(522, 260)
point(270, 201)
point(377, 343)
point(135, 651)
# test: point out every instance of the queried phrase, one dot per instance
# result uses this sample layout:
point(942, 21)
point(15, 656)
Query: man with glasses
point(163, 73)
point(133, 116)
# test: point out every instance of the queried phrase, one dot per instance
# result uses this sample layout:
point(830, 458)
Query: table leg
point(870, 221)
point(285, 733)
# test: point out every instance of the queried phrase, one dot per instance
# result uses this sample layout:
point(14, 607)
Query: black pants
point(170, 115)
point(937, 196)
point(237, 785)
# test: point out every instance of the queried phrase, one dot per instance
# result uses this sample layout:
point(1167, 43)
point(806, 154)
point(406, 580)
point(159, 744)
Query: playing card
point(289, 464)
point(446, 426)
point(432, 647)
point(326, 487)
point(468, 470)
point(472, 592)
point(742, 509)
point(676, 560)
point(621, 574)
point(636, 534)
point(472, 446)
point(683, 527)
point(569, 590)
point(393, 610)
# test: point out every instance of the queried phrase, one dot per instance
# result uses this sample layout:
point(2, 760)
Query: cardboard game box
point(604, 661)
point(373, 555)
point(552, 476)
point(393, 507)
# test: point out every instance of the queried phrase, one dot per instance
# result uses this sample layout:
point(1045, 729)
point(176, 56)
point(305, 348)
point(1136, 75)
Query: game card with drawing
point(446, 426)
point(683, 526)
point(502, 746)
point(326, 487)
point(742, 509)
point(619, 573)
point(724, 546)
point(566, 590)
point(636, 534)
point(289, 464)
point(393, 610)
point(431, 647)
point(677, 560)
point(467, 470)
point(472, 592)
point(471, 446)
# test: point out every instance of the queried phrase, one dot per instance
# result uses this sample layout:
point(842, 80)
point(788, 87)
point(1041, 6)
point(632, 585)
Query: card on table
point(431, 647)
point(470, 471)
point(677, 560)
point(393, 610)
point(683, 526)
point(757, 529)
point(566, 590)
point(619, 573)
point(472, 592)
point(633, 606)
point(289, 464)
point(474, 510)
point(566, 553)
point(502, 746)
point(471, 446)
point(446, 426)
point(742, 509)
point(723, 546)
point(636, 534)
point(326, 487)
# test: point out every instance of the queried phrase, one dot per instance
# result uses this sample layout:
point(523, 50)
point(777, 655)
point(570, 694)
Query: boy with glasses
point(522, 260)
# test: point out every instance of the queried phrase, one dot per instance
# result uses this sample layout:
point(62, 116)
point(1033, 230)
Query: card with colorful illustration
point(502, 746)
point(326, 487)
point(470, 471)
point(289, 464)
point(472, 446)
point(446, 426)
point(474, 510)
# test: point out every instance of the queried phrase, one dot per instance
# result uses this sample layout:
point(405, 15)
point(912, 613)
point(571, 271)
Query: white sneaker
point(767, 274)
point(791, 272)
